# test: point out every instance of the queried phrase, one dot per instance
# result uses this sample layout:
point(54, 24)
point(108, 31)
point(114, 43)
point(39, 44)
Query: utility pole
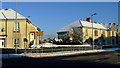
point(15, 29)
point(92, 30)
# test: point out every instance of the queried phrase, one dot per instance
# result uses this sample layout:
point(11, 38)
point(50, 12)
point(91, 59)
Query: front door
point(32, 36)
point(2, 43)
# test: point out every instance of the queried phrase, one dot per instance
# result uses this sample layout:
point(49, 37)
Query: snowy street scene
point(53, 34)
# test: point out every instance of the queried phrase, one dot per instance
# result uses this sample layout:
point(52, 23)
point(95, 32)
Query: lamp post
point(15, 29)
point(92, 29)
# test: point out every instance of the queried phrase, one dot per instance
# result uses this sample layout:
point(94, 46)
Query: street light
point(92, 29)
point(16, 31)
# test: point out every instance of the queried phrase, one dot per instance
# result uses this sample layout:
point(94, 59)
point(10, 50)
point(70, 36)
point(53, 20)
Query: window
point(96, 33)
point(86, 32)
point(2, 30)
point(103, 32)
point(16, 42)
point(112, 33)
point(16, 26)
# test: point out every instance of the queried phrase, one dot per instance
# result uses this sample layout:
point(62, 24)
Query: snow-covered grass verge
point(62, 53)
point(54, 45)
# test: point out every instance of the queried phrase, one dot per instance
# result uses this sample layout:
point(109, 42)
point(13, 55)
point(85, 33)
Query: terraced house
point(14, 31)
point(102, 34)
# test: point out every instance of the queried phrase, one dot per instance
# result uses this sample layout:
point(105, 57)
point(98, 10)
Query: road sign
point(39, 33)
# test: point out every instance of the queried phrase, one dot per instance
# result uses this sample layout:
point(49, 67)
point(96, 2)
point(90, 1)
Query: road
point(102, 60)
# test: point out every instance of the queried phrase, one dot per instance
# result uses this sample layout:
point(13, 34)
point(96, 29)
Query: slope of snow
point(53, 45)
point(10, 14)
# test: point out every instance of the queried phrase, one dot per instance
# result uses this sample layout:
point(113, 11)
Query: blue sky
point(61, 0)
point(51, 16)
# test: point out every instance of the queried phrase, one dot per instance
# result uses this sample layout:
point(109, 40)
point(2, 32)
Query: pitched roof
point(89, 24)
point(107, 25)
point(117, 27)
point(10, 14)
point(82, 23)
point(68, 27)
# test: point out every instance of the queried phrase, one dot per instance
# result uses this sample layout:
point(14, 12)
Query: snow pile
point(53, 45)
point(62, 53)
point(71, 45)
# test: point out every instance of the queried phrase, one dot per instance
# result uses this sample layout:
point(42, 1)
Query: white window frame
point(16, 26)
point(96, 32)
point(86, 31)
point(17, 42)
point(103, 32)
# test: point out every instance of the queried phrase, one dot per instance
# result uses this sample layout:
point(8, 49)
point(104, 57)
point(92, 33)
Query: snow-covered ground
point(61, 53)
point(53, 45)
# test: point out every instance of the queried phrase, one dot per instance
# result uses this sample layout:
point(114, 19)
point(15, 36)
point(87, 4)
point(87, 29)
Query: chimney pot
point(89, 19)
point(29, 17)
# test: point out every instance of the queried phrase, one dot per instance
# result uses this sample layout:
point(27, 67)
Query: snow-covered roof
point(107, 25)
point(10, 14)
point(89, 24)
point(68, 27)
point(82, 23)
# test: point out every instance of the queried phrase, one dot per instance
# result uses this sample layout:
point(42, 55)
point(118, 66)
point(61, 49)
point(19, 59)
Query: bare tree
point(77, 35)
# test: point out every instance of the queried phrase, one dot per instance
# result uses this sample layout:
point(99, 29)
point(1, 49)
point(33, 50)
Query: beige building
point(13, 32)
point(118, 34)
point(102, 34)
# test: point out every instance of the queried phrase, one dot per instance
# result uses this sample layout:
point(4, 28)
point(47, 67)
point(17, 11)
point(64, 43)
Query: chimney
point(89, 19)
point(114, 23)
point(5, 9)
point(29, 17)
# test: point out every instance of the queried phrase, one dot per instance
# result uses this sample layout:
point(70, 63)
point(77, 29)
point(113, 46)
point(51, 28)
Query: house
point(118, 34)
point(14, 32)
point(82, 30)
